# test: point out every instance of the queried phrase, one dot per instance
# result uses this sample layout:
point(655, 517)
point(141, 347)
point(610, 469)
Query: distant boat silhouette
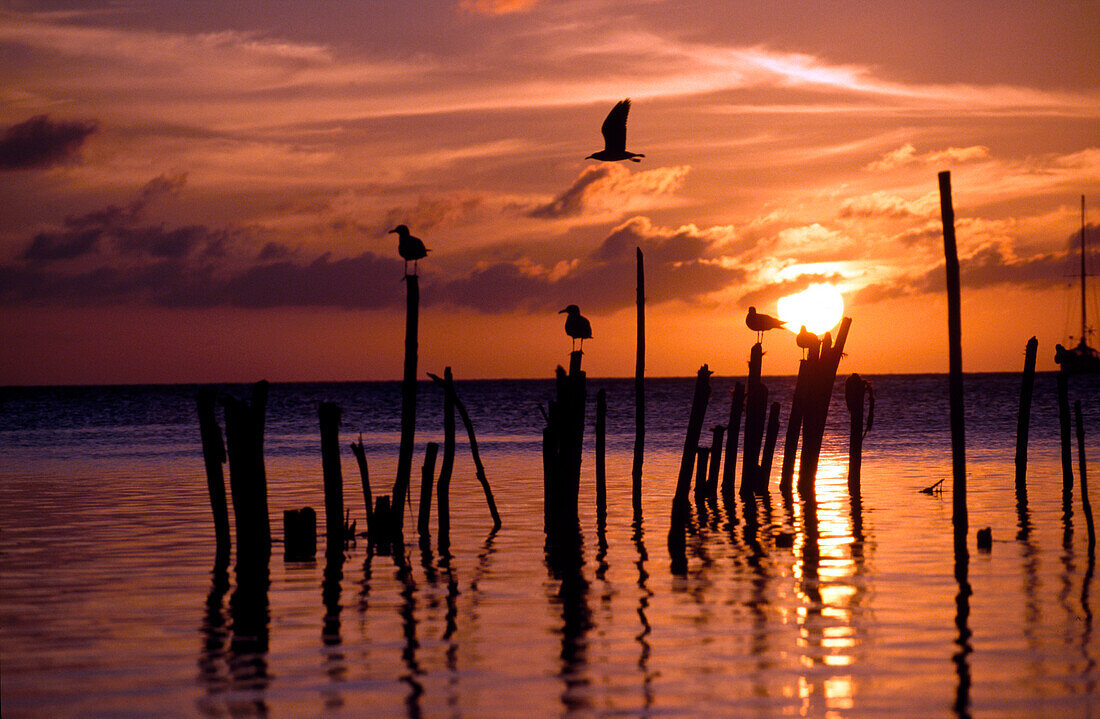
point(409, 247)
point(614, 136)
point(577, 325)
point(1080, 359)
point(806, 340)
point(760, 324)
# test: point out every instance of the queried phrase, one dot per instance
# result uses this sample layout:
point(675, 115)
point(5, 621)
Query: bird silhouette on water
point(409, 247)
point(806, 340)
point(614, 136)
point(760, 324)
point(577, 325)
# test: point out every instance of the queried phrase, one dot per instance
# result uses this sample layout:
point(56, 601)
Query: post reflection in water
point(331, 641)
point(233, 658)
point(830, 569)
point(642, 637)
point(565, 562)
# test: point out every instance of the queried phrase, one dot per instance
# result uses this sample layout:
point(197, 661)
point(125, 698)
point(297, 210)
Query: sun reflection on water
point(829, 568)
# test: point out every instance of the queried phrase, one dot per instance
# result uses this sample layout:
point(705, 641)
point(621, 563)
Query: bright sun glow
point(819, 307)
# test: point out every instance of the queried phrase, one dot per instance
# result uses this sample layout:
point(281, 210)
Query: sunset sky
point(200, 191)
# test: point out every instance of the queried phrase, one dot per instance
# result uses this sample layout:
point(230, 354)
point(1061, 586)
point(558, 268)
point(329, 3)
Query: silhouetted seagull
point(760, 324)
point(577, 325)
point(614, 136)
point(409, 247)
point(806, 340)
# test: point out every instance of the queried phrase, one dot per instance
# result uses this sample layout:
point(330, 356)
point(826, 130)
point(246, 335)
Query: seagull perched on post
point(577, 325)
point(806, 340)
point(760, 324)
point(614, 136)
point(409, 247)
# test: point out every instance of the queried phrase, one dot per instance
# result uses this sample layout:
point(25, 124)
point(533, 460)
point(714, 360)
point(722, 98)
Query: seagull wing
point(614, 127)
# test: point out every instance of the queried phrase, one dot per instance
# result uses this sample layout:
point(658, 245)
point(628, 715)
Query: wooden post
point(764, 475)
point(954, 336)
point(448, 385)
point(854, 392)
point(678, 523)
point(756, 402)
point(408, 403)
point(794, 427)
point(601, 469)
point(427, 476)
point(213, 454)
point(1067, 452)
point(244, 434)
point(737, 406)
point(329, 415)
point(702, 459)
point(718, 432)
point(639, 396)
point(1023, 422)
point(364, 475)
point(299, 534)
point(819, 392)
point(1085, 505)
point(443, 491)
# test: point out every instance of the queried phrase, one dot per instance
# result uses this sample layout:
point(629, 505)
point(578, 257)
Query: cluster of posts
point(243, 447)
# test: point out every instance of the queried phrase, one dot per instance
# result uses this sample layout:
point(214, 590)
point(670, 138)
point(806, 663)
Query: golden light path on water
point(818, 308)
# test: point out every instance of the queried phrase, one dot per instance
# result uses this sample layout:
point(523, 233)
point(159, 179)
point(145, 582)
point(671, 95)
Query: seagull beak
point(561, 312)
point(392, 231)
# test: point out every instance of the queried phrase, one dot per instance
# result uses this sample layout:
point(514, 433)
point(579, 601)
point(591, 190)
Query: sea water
point(110, 607)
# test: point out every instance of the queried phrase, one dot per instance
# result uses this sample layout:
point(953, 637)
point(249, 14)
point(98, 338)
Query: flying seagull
point(577, 325)
point(409, 247)
point(806, 340)
point(760, 324)
point(614, 136)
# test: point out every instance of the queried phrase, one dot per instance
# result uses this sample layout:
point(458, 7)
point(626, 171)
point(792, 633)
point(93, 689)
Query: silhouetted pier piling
point(1086, 506)
point(244, 434)
point(955, 379)
point(329, 416)
point(679, 520)
point(427, 478)
point(639, 394)
point(733, 429)
point(563, 440)
point(856, 392)
point(408, 402)
point(213, 454)
point(1023, 422)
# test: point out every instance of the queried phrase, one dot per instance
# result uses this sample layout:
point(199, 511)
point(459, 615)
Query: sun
point(819, 307)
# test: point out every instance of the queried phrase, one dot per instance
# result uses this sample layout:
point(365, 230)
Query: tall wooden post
point(244, 435)
point(1067, 452)
point(718, 433)
point(1023, 422)
point(764, 474)
point(1086, 506)
point(427, 477)
point(443, 487)
point(213, 454)
point(408, 403)
point(639, 396)
point(364, 475)
point(737, 407)
point(756, 402)
point(855, 390)
point(678, 523)
point(954, 336)
point(794, 427)
point(329, 415)
point(601, 469)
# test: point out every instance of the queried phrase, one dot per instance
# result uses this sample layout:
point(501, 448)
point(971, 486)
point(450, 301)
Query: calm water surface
point(109, 607)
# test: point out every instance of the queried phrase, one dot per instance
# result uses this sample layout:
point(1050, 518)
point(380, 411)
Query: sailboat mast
point(1084, 325)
